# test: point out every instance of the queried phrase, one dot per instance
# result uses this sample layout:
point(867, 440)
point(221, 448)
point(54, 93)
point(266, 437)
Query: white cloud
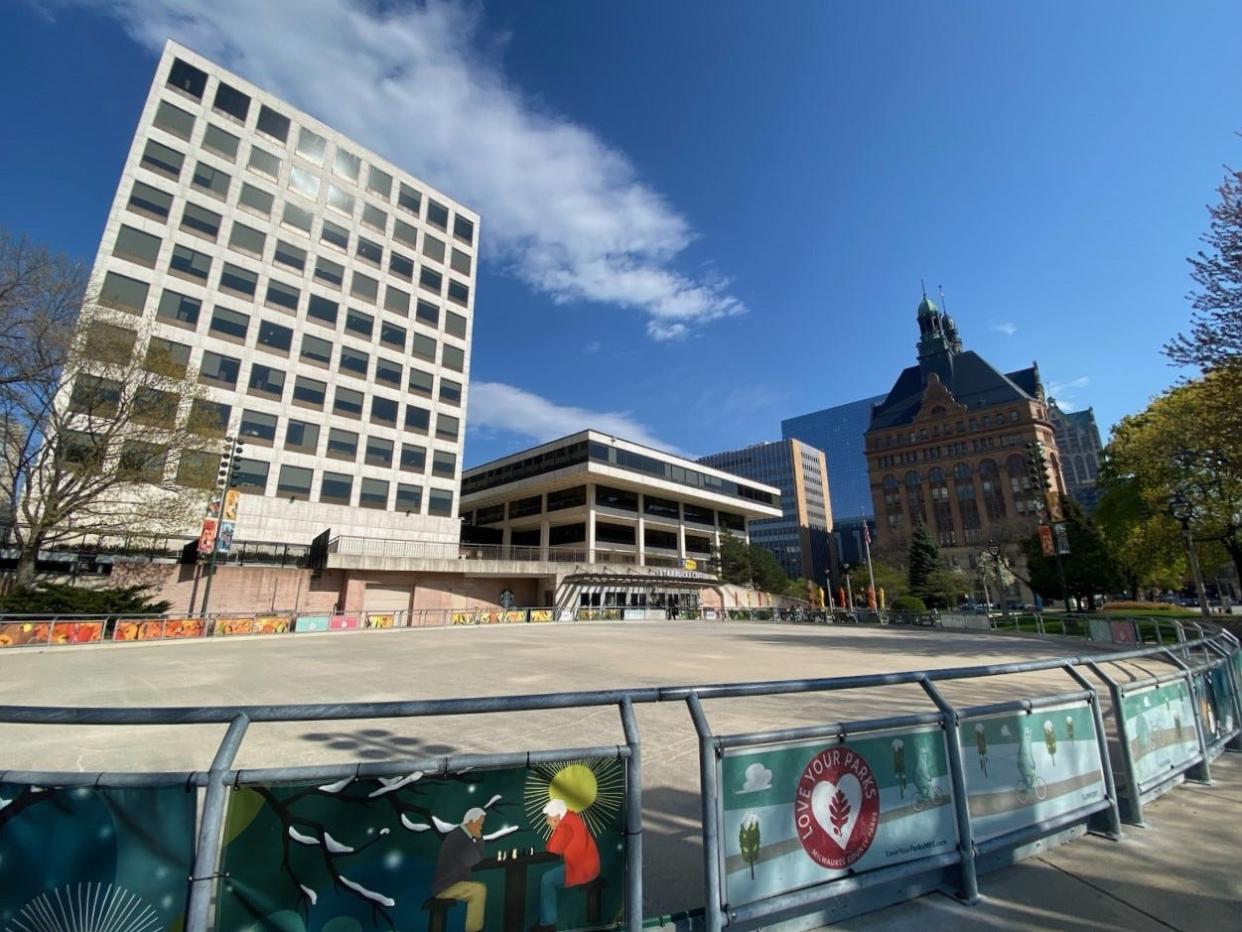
point(508, 408)
point(593, 346)
point(561, 209)
point(1064, 392)
point(1007, 327)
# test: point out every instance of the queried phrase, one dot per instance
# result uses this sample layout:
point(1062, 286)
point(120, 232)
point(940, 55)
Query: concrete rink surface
point(501, 660)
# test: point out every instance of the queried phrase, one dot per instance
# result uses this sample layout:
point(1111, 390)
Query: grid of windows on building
point(840, 433)
point(279, 258)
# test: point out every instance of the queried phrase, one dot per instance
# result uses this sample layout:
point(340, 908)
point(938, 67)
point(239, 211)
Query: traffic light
point(1037, 470)
point(227, 476)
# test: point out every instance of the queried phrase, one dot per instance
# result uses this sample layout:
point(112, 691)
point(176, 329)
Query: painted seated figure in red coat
point(572, 840)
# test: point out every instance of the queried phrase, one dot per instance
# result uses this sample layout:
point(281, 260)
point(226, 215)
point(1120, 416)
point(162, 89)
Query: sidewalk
point(1181, 872)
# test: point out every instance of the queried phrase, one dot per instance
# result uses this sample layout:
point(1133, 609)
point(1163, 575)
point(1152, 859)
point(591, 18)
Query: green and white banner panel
point(1216, 705)
point(496, 850)
point(1160, 728)
point(1026, 768)
point(94, 858)
point(798, 815)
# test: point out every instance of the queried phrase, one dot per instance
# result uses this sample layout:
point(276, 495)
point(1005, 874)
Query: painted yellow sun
point(591, 788)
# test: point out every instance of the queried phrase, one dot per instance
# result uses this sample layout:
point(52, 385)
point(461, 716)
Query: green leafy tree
point(1147, 545)
point(748, 841)
point(946, 585)
point(1090, 567)
point(766, 574)
point(924, 560)
point(733, 558)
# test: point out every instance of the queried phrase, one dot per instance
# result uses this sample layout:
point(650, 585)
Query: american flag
point(866, 534)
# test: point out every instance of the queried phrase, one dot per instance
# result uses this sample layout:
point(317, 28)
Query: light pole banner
point(1160, 727)
point(797, 815)
point(1028, 767)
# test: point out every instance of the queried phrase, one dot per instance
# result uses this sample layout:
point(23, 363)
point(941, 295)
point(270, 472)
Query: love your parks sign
point(800, 814)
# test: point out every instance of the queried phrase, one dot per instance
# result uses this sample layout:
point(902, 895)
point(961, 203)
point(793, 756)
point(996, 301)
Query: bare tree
point(103, 425)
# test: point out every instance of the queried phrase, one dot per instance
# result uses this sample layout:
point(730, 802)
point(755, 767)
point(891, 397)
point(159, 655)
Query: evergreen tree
point(1090, 567)
point(924, 560)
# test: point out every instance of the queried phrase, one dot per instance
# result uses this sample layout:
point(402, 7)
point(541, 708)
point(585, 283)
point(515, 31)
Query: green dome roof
point(927, 308)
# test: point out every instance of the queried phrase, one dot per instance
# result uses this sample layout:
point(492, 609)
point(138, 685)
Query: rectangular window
point(174, 120)
point(229, 324)
point(198, 469)
point(340, 200)
point(396, 300)
point(440, 503)
point(266, 382)
point(424, 347)
point(401, 267)
point(187, 78)
point(161, 159)
point(250, 476)
point(330, 272)
point(211, 180)
point(383, 411)
point(661, 508)
point(379, 181)
point(463, 229)
point(302, 437)
point(264, 162)
point(450, 392)
point(374, 218)
point(359, 322)
point(320, 308)
point(258, 427)
point(167, 358)
point(413, 458)
point(342, 444)
point(178, 309)
point(136, 246)
point(448, 426)
point(458, 293)
point(378, 452)
point(247, 239)
point(433, 248)
point(200, 221)
point(616, 499)
point(347, 403)
point(304, 182)
point(346, 165)
point(392, 335)
point(336, 488)
point(238, 280)
point(608, 533)
point(221, 143)
point(298, 217)
point(460, 262)
point(443, 464)
point(409, 199)
point(219, 370)
point(355, 362)
point(187, 263)
point(289, 255)
point(363, 287)
point(95, 396)
point(368, 251)
point(428, 313)
point(309, 393)
point(123, 293)
point(387, 372)
point(210, 418)
point(409, 498)
point(417, 420)
point(155, 408)
point(403, 232)
point(109, 343)
point(275, 337)
point(273, 124)
point(662, 540)
point(453, 357)
point(311, 146)
point(524, 507)
point(232, 101)
point(437, 215)
point(294, 483)
point(149, 201)
point(284, 296)
point(142, 462)
point(315, 350)
point(421, 382)
point(454, 324)
point(431, 280)
point(256, 200)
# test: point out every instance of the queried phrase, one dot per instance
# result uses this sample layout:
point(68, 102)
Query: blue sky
point(701, 218)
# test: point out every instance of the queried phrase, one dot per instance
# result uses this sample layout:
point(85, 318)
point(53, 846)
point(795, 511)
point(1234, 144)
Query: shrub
point(1145, 607)
point(909, 603)
point(63, 599)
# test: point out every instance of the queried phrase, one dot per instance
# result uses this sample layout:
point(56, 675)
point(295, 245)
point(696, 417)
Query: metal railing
point(433, 550)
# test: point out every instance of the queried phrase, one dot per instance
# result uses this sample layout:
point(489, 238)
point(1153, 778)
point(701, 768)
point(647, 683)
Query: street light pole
point(994, 551)
point(1183, 511)
point(849, 590)
point(224, 481)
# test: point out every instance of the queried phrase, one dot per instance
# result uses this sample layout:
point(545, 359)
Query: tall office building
point(323, 295)
point(839, 431)
point(799, 539)
point(1078, 439)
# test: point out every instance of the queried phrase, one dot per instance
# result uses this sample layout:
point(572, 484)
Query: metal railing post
point(203, 874)
point(961, 802)
point(1106, 764)
point(1134, 801)
point(709, 795)
point(633, 820)
point(1201, 772)
point(1231, 675)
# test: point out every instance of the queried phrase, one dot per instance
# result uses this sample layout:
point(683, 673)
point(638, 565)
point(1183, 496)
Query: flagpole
point(870, 572)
